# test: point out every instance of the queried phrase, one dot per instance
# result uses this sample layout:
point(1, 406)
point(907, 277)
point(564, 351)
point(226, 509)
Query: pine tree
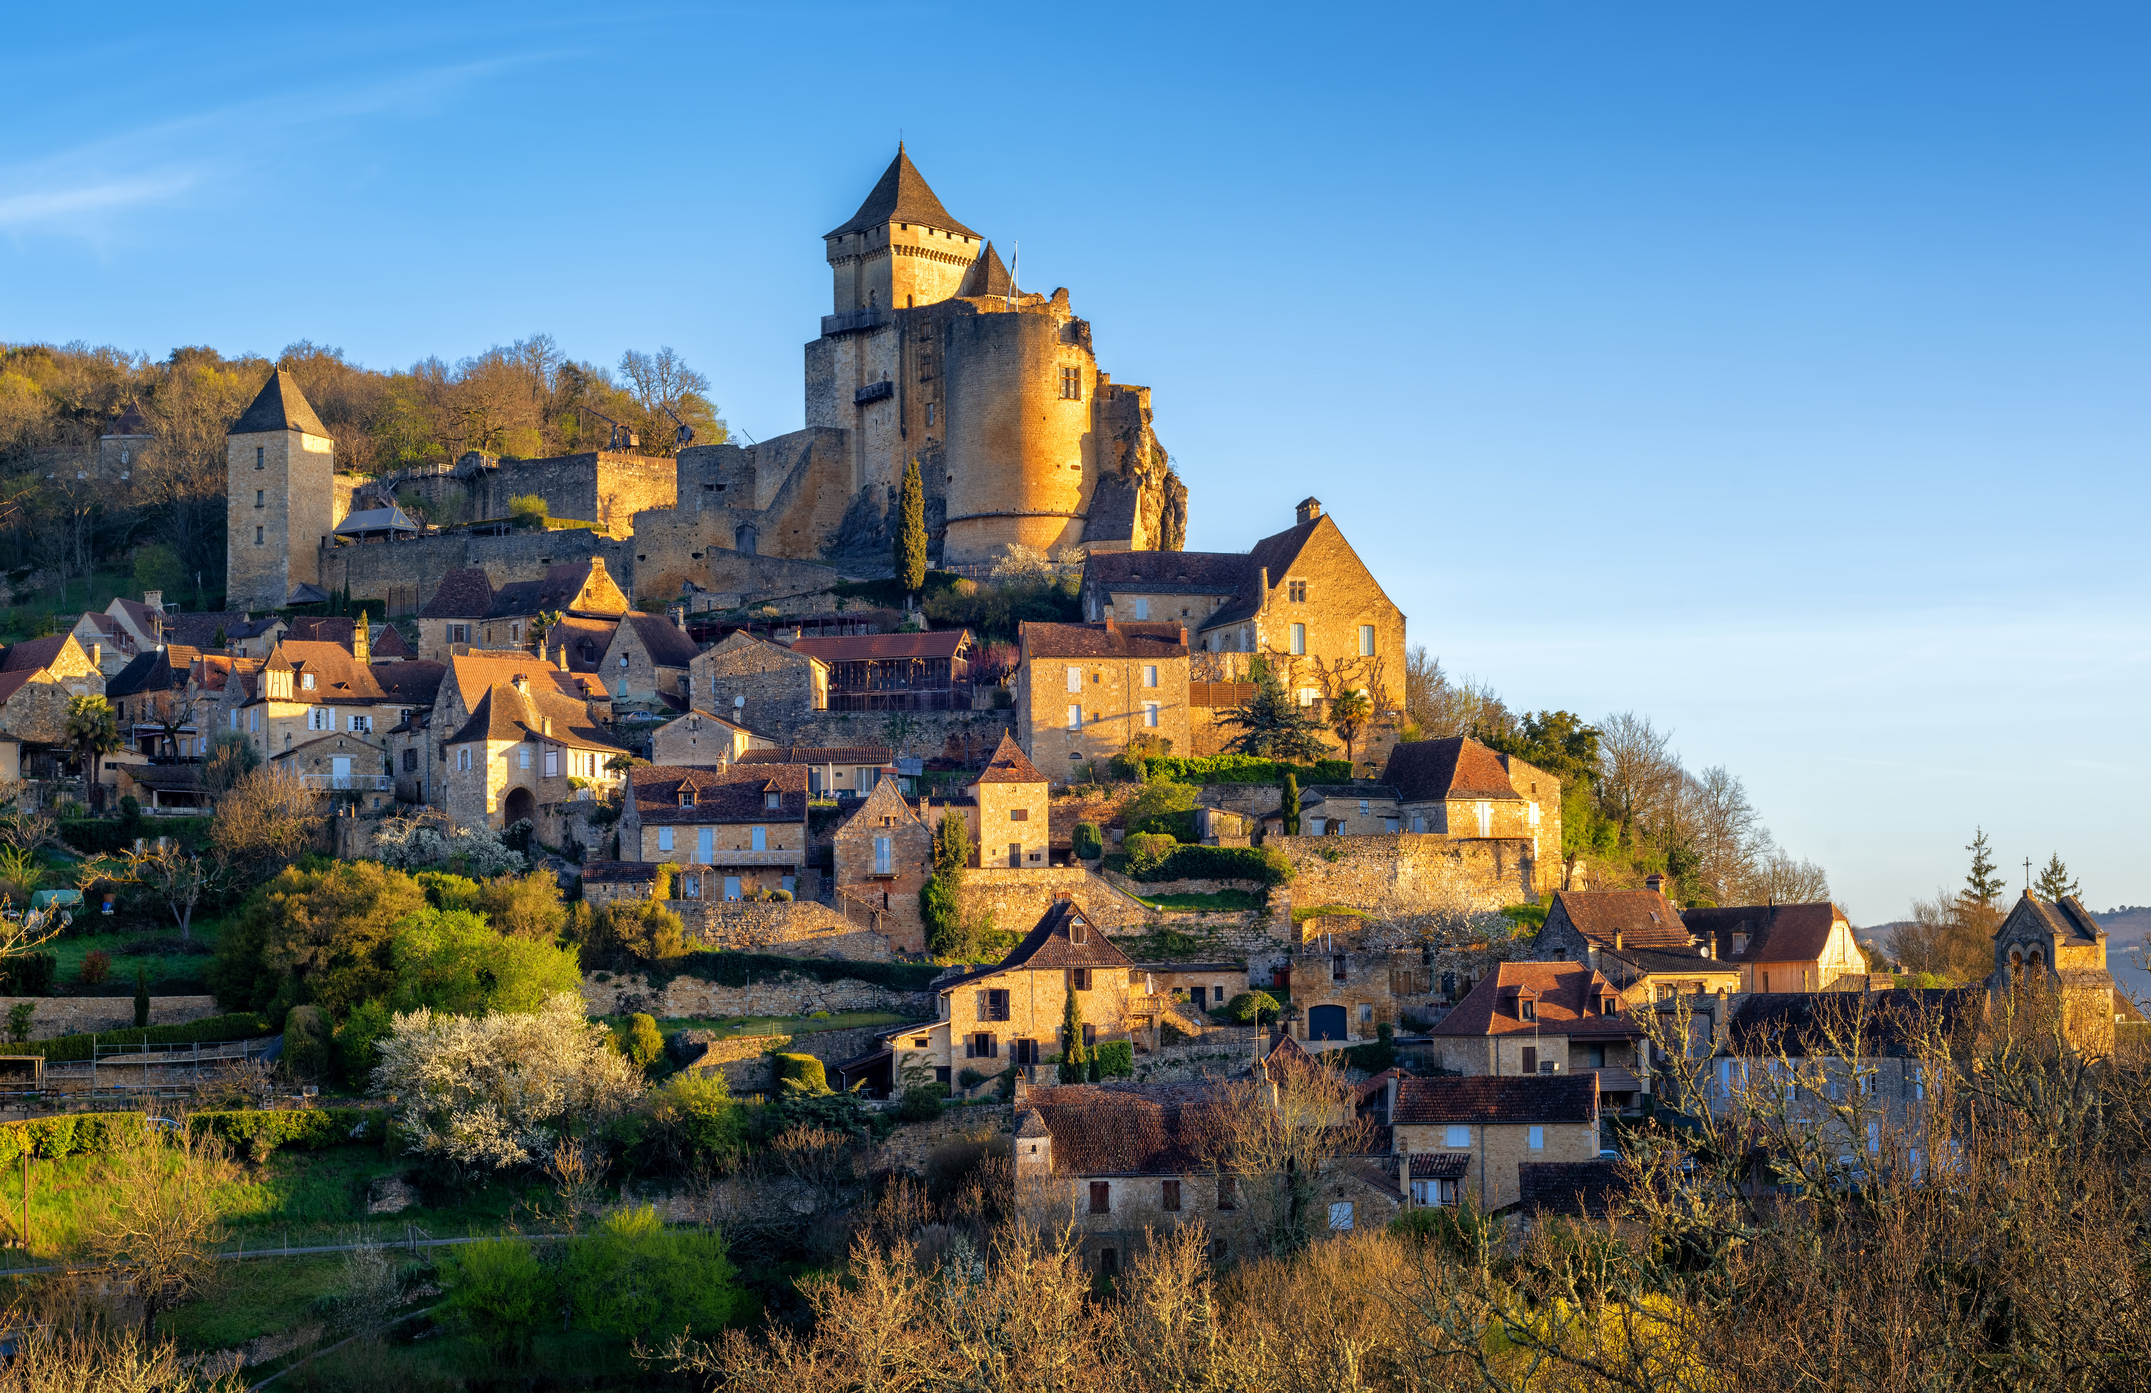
point(1271, 725)
point(907, 545)
point(1982, 887)
point(1075, 1060)
point(2054, 880)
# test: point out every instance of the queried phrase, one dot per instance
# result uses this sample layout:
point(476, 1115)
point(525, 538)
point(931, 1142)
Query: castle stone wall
point(406, 573)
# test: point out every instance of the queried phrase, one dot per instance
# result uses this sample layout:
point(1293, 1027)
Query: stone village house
point(1466, 1139)
point(467, 612)
point(1547, 1019)
point(1782, 947)
point(759, 684)
point(527, 744)
point(881, 857)
point(1637, 939)
point(1085, 691)
point(733, 832)
point(703, 739)
point(833, 771)
point(423, 761)
point(38, 678)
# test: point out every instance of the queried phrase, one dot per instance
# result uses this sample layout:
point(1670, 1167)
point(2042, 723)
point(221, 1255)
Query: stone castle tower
point(280, 498)
point(931, 352)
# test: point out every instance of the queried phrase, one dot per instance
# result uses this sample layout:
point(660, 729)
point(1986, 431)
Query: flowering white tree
point(428, 841)
point(494, 1091)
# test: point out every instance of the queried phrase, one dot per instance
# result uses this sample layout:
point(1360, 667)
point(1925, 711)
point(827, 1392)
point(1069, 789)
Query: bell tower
point(279, 497)
point(901, 249)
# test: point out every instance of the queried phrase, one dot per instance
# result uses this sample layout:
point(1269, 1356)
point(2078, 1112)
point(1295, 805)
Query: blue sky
point(1777, 371)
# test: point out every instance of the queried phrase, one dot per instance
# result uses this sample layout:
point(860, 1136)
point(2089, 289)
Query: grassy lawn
point(73, 946)
point(1223, 901)
point(251, 1299)
point(299, 1198)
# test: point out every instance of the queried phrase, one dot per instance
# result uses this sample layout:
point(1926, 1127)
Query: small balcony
point(851, 323)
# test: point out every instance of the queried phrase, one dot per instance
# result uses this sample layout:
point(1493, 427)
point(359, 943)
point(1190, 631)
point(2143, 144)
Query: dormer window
point(1740, 943)
point(687, 798)
point(307, 681)
point(1526, 1009)
point(1076, 931)
point(772, 800)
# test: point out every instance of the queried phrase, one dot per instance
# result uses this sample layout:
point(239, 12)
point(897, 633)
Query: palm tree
point(92, 731)
point(1348, 716)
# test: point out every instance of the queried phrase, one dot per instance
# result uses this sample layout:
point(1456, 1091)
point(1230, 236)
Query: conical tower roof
point(281, 406)
point(987, 276)
point(901, 195)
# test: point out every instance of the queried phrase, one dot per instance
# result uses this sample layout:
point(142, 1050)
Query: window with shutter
point(1169, 1196)
point(1531, 1059)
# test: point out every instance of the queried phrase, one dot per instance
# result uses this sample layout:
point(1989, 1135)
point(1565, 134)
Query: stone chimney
point(1655, 883)
point(1309, 509)
point(679, 618)
point(361, 639)
point(545, 724)
point(153, 599)
point(97, 656)
point(1616, 940)
point(521, 683)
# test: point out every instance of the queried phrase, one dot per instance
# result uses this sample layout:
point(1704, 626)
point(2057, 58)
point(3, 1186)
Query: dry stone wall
point(744, 1059)
point(608, 994)
point(1396, 877)
point(80, 1015)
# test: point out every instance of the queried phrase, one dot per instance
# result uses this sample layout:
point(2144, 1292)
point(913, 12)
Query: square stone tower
point(901, 249)
point(279, 496)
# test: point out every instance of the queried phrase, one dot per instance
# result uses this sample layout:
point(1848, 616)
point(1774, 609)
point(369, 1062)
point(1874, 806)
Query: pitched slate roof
point(666, 642)
point(337, 629)
point(1776, 933)
point(413, 680)
point(986, 276)
point(389, 519)
point(901, 196)
point(149, 672)
point(1423, 771)
point(1009, 765)
point(390, 643)
point(1112, 639)
point(1888, 1023)
point(141, 616)
point(1568, 998)
point(728, 795)
point(2066, 918)
point(200, 630)
point(279, 406)
point(1497, 1098)
point(130, 421)
point(1581, 1188)
point(32, 655)
point(1051, 945)
point(583, 639)
point(557, 590)
point(1107, 1129)
point(464, 593)
point(1276, 552)
point(1170, 572)
point(1643, 918)
point(859, 648)
point(542, 712)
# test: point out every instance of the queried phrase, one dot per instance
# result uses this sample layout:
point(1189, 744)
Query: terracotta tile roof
point(1423, 771)
point(901, 196)
point(731, 795)
point(619, 872)
point(1567, 1000)
point(472, 673)
point(1440, 1165)
point(1109, 1129)
point(1498, 1098)
point(1051, 945)
point(1663, 962)
point(815, 754)
point(859, 648)
point(352, 737)
point(1774, 932)
point(338, 676)
point(389, 643)
point(1009, 765)
point(280, 406)
point(33, 654)
point(1888, 1023)
point(13, 682)
point(462, 594)
point(666, 642)
point(584, 640)
point(1112, 639)
point(1581, 1188)
point(1643, 918)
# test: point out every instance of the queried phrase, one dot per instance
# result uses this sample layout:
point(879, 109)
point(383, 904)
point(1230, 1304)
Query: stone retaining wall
point(784, 995)
point(909, 1146)
point(1017, 899)
point(744, 1059)
point(80, 1015)
point(797, 928)
point(1393, 877)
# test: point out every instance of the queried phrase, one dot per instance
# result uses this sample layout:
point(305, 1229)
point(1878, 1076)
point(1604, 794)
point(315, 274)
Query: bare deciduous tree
point(265, 822)
point(161, 1220)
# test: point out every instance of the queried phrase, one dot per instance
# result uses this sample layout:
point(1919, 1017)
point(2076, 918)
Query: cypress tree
point(1291, 807)
point(907, 545)
point(1075, 1059)
point(141, 997)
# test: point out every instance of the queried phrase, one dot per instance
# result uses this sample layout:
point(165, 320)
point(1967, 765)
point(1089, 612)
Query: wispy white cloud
point(60, 207)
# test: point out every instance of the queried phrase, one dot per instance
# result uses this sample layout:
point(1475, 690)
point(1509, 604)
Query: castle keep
point(931, 352)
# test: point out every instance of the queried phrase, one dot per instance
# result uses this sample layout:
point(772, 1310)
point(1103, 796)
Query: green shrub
point(253, 1130)
point(108, 836)
point(358, 1039)
point(1115, 1059)
point(1380, 1055)
point(306, 1042)
point(800, 1073)
point(1244, 769)
point(970, 1078)
point(638, 1280)
point(1167, 808)
point(920, 1104)
point(1265, 865)
point(1251, 1008)
point(446, 891)
point(1147, 851)
point(29, 975)
point(737, 969)
point(1088, 841)
point(641, 1042)
point(711, 1124)
point(498, 1292)
point(1526, 916)
point(71, 1134)
point(242, 1025)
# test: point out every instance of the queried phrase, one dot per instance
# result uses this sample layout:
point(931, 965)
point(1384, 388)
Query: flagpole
point(1015, 254)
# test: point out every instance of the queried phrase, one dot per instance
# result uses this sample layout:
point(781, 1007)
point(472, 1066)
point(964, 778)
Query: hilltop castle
point(931, 352)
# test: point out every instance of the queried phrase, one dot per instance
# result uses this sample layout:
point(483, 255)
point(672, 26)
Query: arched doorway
point(520, 804)
point(743, 539)
point(1325, 1023)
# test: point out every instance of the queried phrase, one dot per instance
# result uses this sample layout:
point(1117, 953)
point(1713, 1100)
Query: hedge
point(1266, 865)
point(71, 1134)
point(803, 1070)
point(105, 835)
point(1244, 769)
point(307, 1129)
point(1115, 1059)
point(29, 975)
point(242, 1025)
point(734, 970)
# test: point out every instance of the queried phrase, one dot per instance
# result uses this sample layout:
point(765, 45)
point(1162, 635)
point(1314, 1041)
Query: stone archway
point(1326, 1023)
point(519, 805)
